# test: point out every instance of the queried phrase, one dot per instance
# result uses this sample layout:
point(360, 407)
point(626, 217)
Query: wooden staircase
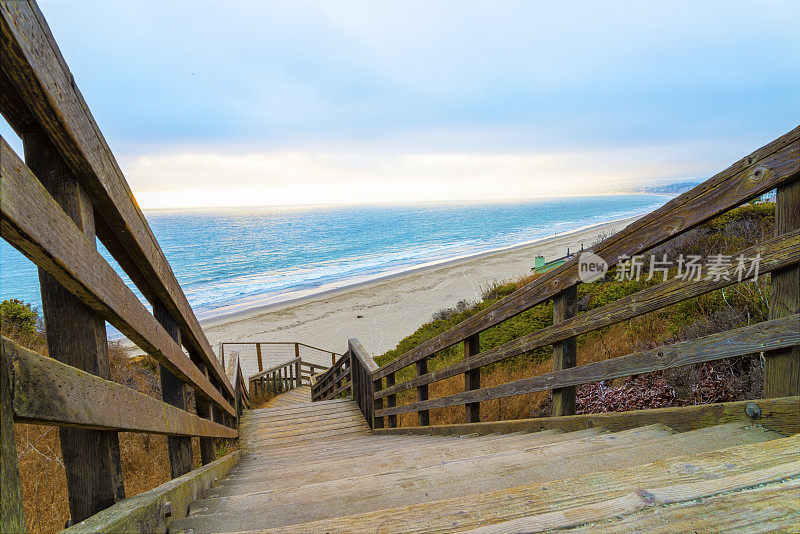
point(317, 468)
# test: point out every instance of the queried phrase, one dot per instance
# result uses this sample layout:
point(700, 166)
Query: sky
point(281, 103)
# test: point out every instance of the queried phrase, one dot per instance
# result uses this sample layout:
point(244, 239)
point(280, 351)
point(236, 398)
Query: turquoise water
point(225, 257)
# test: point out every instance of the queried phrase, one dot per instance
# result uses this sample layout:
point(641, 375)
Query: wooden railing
point(334, 381)
point(68, 193)
point(283, 348)
point(774, 166)
point(284, 376)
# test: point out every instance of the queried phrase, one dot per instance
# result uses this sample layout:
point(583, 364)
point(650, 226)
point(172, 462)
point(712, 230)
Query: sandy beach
point(393, 307)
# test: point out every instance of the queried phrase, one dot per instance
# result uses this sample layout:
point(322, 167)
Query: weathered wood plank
point(76, 335)
point(34, 223)
point(565, 353)
point(641, 499)
point(782, 368)
point(763, 170)
point(12, 511)
point(46, 391)
point(33, 63)
point(775, 253)
point(767, 335)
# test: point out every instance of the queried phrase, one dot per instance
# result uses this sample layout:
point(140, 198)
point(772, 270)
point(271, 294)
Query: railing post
point(173, 391)
point(782, 367)
point(76, 335)
point(377, 404)
point(391, 400)
point(565, 353)
point(423, 418)
point(333, 358)
point(12, 513)
point(298, 373)
point(203, 407)
point(258, 357)
point(472, 378)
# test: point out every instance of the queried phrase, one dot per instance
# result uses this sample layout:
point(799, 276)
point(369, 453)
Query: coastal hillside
point(725, 380)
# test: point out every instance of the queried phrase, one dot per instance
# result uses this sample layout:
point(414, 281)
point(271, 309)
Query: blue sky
point(208, 103)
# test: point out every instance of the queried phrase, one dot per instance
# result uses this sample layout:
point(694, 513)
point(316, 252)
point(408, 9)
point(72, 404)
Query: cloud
point(313, 177)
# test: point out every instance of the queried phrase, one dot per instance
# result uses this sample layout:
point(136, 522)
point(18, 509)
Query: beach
point(382, 312)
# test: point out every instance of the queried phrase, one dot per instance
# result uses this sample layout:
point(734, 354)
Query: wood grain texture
point(782, 367)
point(32, 62)
point(76, 335)
point(776, 253)
point(642, 499)
point(767, 335)
point(46, 391)
point(768, 167)
point(34, 224)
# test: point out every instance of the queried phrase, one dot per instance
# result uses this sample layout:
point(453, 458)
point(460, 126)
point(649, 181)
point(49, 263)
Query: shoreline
point(300, 296)
point(381, 312)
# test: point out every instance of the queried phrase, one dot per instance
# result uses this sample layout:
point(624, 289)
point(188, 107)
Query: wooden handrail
point(275, 368)
point(49, 98)
point(776, 253)
point(36, 382)
point(53, 242)
point(68, 193)
point(766, 168)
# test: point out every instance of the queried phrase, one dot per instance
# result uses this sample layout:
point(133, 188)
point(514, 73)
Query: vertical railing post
point(222, 355)
point(377, 404)
point(203, 407)
point(298, 373)
point(76, 335)
point(565, 353)
point(173, 391)
point(258, 357)
point(472, 379)
point(782, 367)
point(12, 513)
point(423, 418)
point(391, 400)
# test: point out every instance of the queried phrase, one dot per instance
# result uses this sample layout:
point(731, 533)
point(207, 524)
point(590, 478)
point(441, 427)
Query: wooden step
point(414, 457)
point(450, 479)
point(473, 510)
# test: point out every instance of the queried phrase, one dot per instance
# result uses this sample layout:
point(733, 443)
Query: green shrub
point(19, 316)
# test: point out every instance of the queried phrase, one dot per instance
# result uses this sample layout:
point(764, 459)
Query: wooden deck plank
point(470, 511)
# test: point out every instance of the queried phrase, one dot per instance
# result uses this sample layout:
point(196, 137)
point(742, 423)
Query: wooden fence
point(774, 166)
point(285, 376)
point(66, 194)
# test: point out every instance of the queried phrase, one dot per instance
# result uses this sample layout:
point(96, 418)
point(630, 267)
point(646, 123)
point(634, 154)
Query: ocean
point(232, 259)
